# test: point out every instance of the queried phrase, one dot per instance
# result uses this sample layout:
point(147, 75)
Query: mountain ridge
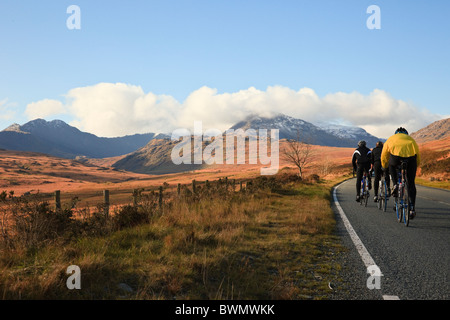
point(59, 139)
point(154, 158)
point(150, 153)
point(322, 134)
point(437, 130)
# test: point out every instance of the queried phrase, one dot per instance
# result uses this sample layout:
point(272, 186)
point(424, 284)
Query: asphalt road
point(414, 261)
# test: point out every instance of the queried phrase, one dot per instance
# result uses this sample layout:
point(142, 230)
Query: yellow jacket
point(401, 145)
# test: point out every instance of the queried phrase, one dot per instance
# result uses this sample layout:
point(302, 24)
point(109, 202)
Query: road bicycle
point(402, 202)
point(365, 194)
point(383, 195)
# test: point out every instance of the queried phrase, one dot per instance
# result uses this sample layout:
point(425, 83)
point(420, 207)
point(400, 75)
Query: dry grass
point(273, 241)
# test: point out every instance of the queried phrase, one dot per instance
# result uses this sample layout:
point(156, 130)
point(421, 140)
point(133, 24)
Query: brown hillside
point(33, 172)
point(438, 130)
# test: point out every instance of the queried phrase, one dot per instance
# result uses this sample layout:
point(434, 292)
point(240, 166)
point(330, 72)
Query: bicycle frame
point(382, 194)
point(364, 190)
point(402, 203)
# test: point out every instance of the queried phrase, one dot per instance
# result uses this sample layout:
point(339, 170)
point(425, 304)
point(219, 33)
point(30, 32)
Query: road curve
point(414, 261)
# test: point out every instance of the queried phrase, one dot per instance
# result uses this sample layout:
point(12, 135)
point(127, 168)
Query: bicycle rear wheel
point(398, 208)
point(406, 205)
point(380, 201)
point(385, 197)
point(361, 200)
point(366, 197)
point(380, 197)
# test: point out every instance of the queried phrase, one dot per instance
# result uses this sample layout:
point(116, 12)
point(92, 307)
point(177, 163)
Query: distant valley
point(150, 153)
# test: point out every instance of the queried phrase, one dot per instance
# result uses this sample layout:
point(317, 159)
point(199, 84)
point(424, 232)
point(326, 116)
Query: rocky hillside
point(155, 157)
point(436, 131)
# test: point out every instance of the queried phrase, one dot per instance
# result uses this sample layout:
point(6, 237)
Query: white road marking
point(365, 255)
point(362, 250)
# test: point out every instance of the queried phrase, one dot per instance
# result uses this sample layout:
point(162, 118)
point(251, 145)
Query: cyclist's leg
point(394, 161)
point(359, 174)
point(377, 169)
point(412, 169)
point(387, 178)
point(366, 168)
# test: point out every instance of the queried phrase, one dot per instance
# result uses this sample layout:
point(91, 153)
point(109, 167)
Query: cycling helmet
point(361, 143)
point(401, 130)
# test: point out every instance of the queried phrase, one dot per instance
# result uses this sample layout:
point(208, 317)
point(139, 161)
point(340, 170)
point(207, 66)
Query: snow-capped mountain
point(150, 152)
point(324, 134)
point(349, 132)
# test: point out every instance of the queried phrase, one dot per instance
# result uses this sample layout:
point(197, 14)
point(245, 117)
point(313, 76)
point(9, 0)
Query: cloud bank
point(117, 109)
point(7, 109)
point(44, 108)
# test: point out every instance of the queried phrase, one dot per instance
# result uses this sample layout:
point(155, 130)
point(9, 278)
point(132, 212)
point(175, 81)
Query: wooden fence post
point(193, 187)
point(57, 199)
point(106, 202)
point(179, 189)
point(160, 197)
point(135, 197)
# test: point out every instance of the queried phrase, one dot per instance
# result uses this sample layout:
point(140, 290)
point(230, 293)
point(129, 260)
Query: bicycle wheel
point(385, 197)
point(380, 196)
point(367, 195)
point(398, 206)
point(406, 205)
point(362, 192)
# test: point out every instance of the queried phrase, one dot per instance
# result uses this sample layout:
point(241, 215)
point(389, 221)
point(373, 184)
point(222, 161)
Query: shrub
point(430, 163)
point(129, 216)
point(33, 223)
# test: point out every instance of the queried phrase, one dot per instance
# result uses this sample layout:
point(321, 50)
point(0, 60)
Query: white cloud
point(44, 108)
point(379, 113)
point(6, 109)
point(109, 109)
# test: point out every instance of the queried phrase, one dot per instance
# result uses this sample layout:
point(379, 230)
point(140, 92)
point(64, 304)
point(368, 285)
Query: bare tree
point(299, 153)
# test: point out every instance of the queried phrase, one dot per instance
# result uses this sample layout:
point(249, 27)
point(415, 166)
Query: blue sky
point(176, 47)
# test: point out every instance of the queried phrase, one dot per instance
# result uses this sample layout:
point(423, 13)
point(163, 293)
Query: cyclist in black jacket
point(378, 170)
point(361, 161)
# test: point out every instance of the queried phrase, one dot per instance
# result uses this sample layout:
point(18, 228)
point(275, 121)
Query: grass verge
point(271, 241)
point(440, 184)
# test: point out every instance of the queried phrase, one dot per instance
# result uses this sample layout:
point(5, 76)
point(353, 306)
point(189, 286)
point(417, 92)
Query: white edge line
point(386, 297)
point(364, 254)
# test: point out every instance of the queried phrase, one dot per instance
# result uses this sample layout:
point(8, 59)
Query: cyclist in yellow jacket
point(399, 147)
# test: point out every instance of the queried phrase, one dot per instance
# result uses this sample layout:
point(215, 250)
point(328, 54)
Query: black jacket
point(376, 155)
point(361, 156)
